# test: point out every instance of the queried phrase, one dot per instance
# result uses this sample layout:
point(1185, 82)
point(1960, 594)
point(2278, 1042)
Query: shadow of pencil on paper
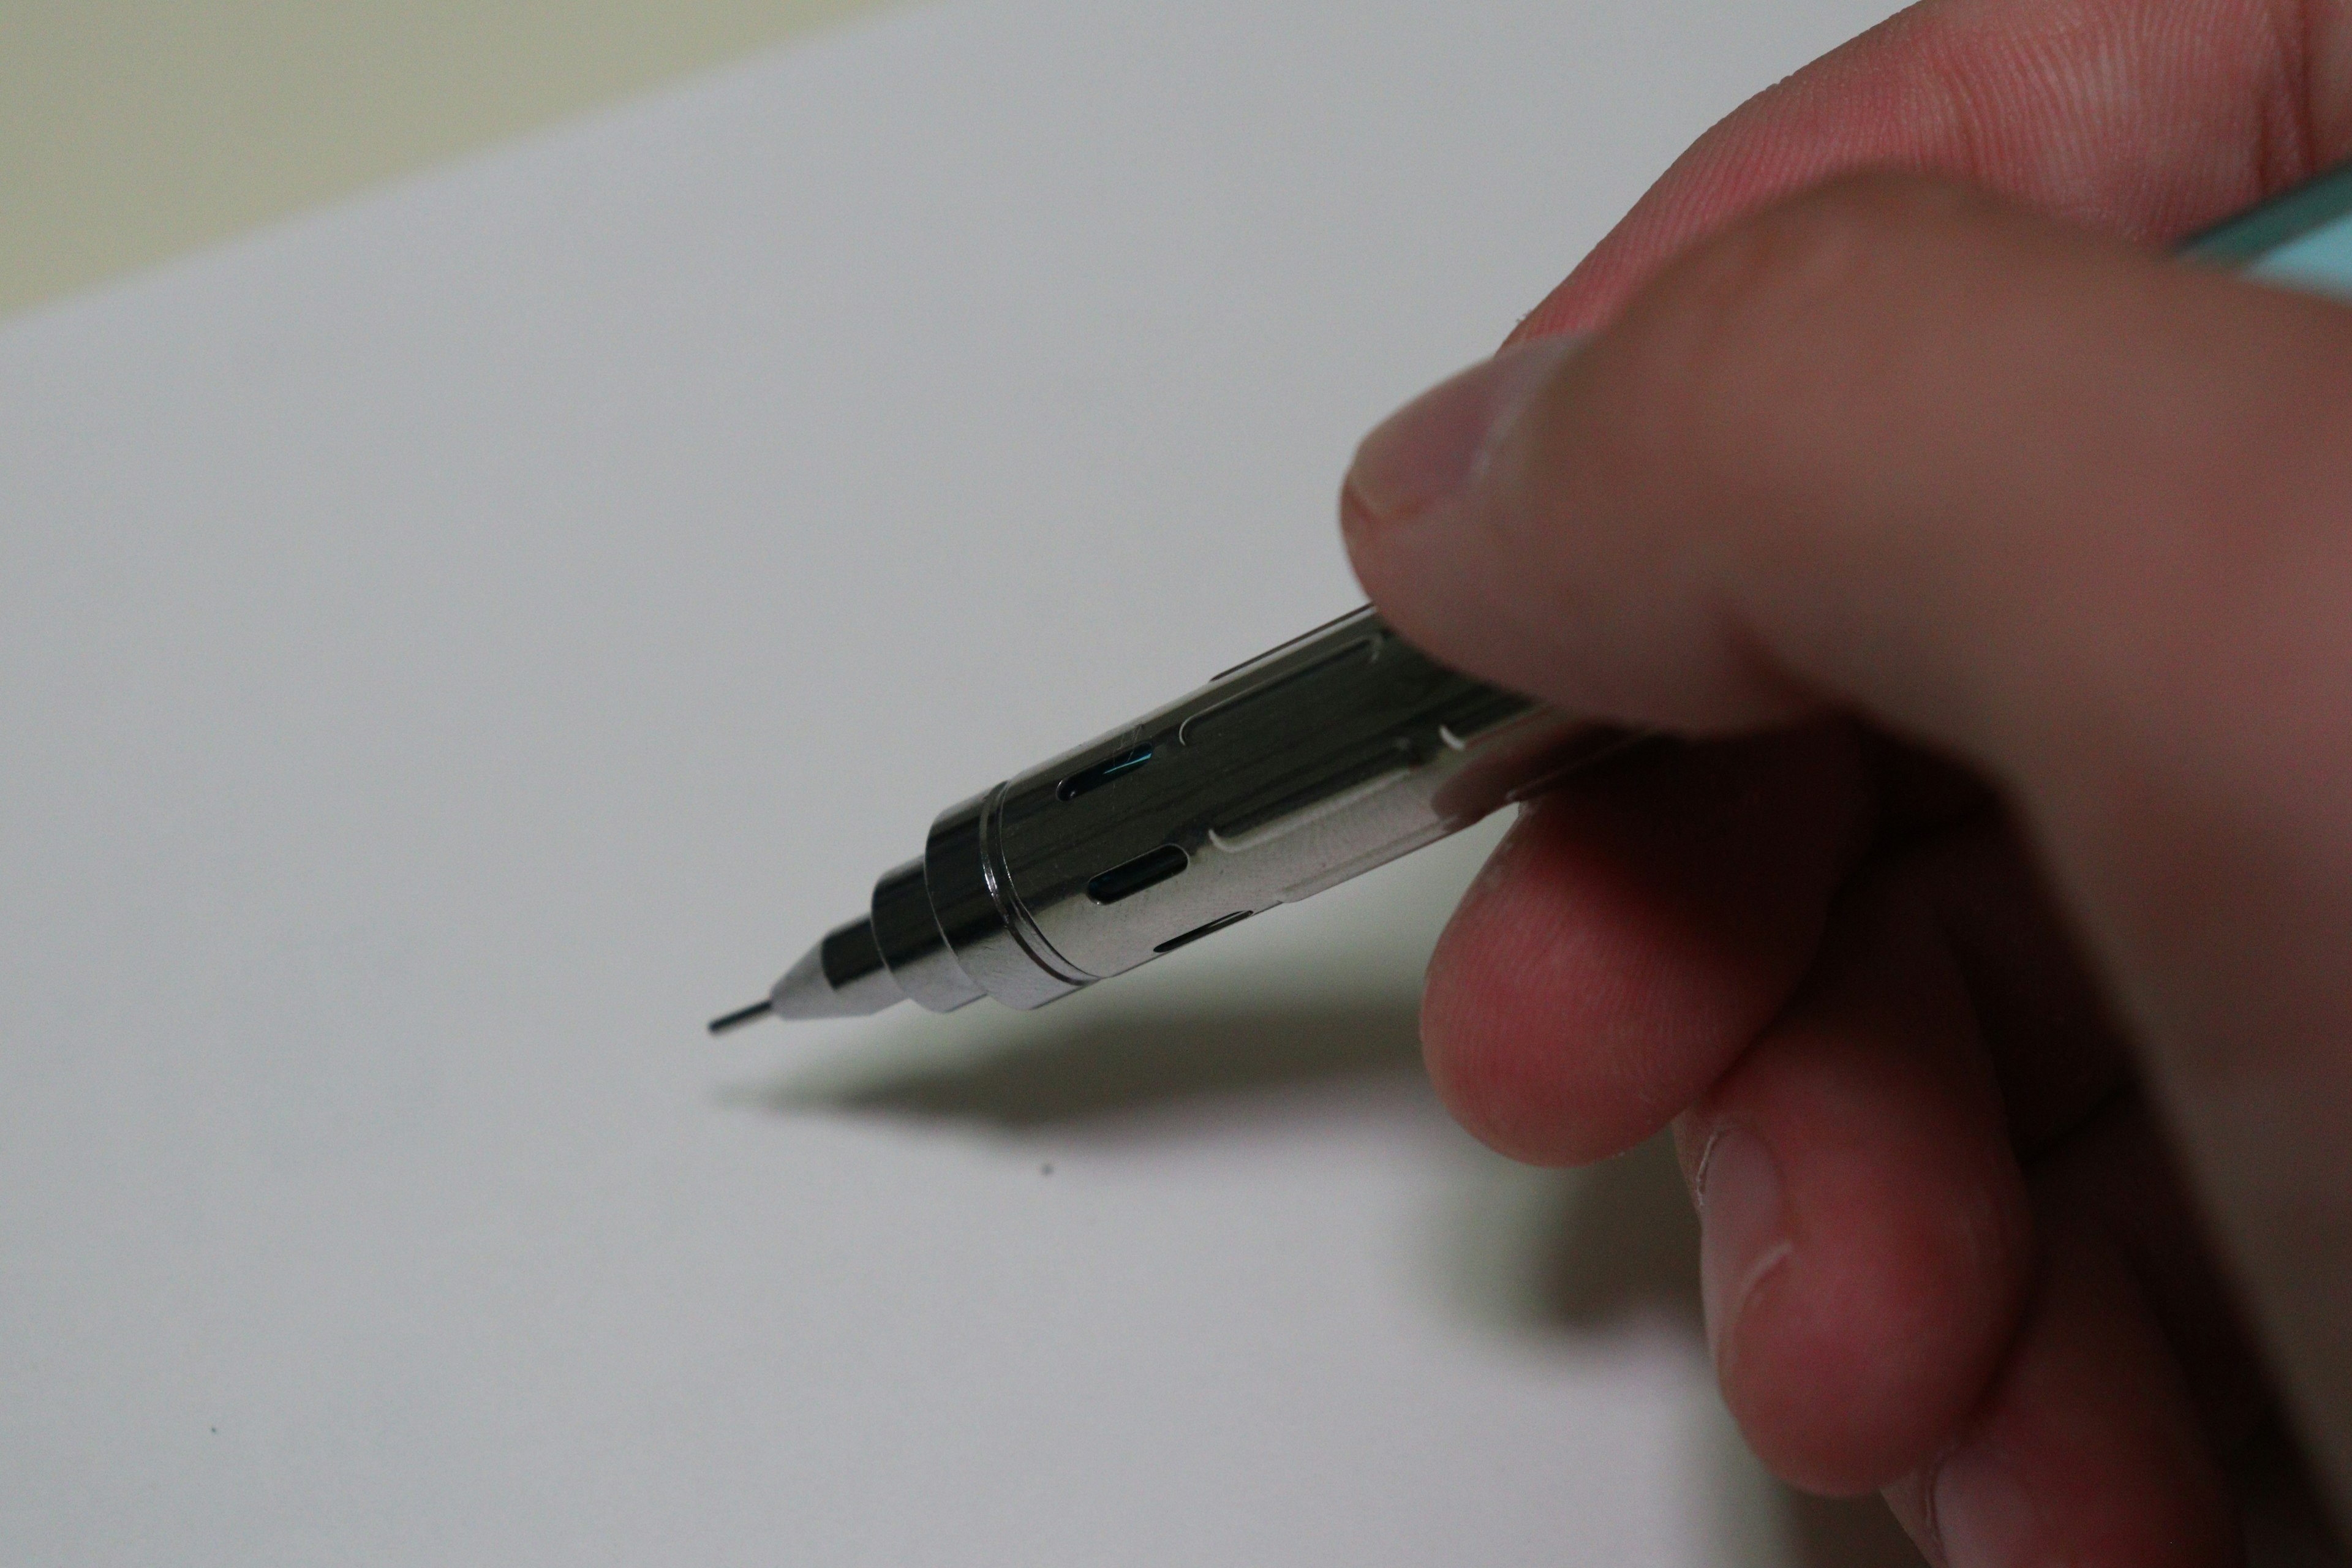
point(1523, 1252)
point(1042, 1071)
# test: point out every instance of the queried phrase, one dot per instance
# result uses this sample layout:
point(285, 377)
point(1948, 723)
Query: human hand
point(1999, 572)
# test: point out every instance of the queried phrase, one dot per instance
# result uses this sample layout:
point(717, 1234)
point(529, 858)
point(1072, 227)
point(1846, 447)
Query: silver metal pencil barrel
point(1334, 754)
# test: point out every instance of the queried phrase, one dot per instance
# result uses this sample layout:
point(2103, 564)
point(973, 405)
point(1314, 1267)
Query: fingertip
point(2085, 1450)
point(1849, 1360)
point(1493, 1046)
point(1431, 449)
point(1632, 934)
point(1866, 1237)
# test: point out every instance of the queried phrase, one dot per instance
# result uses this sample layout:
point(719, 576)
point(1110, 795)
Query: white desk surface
point(452, 645)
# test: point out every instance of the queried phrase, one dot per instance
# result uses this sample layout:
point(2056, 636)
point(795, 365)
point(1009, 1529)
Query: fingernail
point(1983, 1518)
point(1741, 1237)
point(1434, 446)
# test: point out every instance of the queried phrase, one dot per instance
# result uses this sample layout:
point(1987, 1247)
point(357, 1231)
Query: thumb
point(1895, 447)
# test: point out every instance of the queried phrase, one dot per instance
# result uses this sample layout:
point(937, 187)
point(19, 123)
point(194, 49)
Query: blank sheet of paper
point(454, 645)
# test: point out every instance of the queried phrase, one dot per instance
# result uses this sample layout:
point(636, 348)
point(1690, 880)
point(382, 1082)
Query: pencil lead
point(736, 1020)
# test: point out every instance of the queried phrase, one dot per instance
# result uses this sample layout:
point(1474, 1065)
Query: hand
point(1998, 574)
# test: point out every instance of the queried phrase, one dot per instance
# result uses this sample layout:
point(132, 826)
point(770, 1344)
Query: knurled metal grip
point(1332, 754)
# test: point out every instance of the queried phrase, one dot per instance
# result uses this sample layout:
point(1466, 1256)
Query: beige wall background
point(134, 130)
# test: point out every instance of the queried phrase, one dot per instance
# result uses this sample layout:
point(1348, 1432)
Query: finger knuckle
point(1742, 360)
point(1754, 285)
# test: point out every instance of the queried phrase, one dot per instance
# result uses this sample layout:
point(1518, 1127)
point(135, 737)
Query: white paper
point(451, 645)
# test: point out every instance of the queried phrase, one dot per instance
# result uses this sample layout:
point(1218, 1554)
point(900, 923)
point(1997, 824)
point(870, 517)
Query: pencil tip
point(736, 1020)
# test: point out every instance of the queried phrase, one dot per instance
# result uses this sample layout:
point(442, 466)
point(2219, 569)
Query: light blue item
point(2303, 238)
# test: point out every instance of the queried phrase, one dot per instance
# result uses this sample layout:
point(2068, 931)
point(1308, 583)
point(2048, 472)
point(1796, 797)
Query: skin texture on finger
point(1633, 933)
point(1865, 1231)
point(2145, 120)
point(2084, 1451)
point(2063, 509)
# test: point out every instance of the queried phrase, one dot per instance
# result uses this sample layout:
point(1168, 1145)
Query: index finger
point(2148, 121)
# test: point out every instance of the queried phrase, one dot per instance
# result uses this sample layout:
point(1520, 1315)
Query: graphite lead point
point(737, 1019)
